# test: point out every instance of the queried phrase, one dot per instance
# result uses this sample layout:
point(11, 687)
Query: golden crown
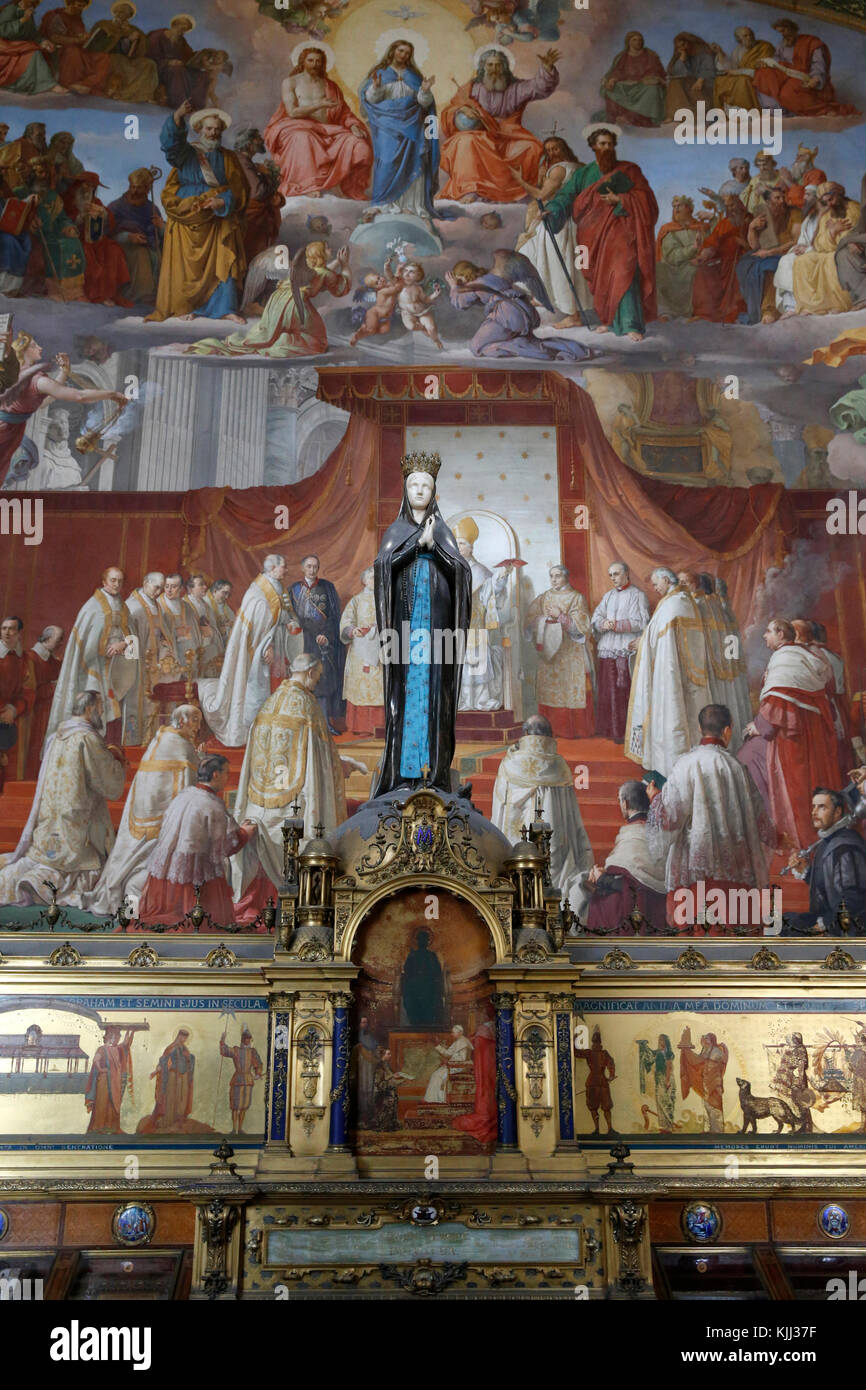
point(420, 463)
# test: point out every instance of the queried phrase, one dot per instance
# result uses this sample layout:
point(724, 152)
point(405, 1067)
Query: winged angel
point(509, 292)
point(290, 325)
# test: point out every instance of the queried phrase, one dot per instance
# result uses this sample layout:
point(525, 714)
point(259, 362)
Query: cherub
point(413, 301)
point(377, 318)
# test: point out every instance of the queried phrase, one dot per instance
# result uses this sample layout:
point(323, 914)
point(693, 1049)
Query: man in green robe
point(54, 235)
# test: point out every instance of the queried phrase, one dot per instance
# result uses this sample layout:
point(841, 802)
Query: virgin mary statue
point(423, 590)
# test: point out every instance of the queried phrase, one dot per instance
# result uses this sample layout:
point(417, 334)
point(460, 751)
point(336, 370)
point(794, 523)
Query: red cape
point(619, 245)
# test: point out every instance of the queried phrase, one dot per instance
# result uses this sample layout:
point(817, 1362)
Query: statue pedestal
point(487, 726)
point(480, 726)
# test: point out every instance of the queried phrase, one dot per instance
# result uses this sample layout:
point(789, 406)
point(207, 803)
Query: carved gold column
point(217, 1262)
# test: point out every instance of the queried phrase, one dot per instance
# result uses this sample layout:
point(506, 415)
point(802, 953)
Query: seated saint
point(25, 65)
point(316, 139)
point(134, 76)
point(173, 56)
point(483, 138)
point(79, 69)
point(733, 86)
point(778, 82)
point(691, 75)
point(634, 85)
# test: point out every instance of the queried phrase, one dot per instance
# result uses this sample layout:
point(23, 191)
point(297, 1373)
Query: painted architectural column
point(506, 1091)
point(278, 1093)
point(339, 1127)
point(562, 1004)
point(169, 424)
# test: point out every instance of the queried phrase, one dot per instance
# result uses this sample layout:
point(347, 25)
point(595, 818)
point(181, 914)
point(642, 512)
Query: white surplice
point(169, 764)
point(669, 686)
point(531, 766)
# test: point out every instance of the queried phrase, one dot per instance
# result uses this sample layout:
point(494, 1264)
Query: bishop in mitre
point(100, 655)
point(670, 684)
point(483, 664)
point(290, 758)
point(533, 771)
point(169, 764)
point(259, 646)
point(68, 835)
point(140, 712)
point(362, 676)
point(559, 627)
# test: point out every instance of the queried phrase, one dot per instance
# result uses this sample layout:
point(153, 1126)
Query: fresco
point(423, 1063)
point(102, 1071)
point(761, 1070)
point(250, 257)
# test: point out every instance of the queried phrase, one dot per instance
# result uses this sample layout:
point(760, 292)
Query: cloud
point(846, 459)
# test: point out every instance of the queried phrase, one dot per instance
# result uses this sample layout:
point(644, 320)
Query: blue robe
point(401, 150)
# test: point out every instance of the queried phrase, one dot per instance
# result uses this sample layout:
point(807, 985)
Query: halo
point(325, 48)
point(600, 125)
point(488, 48)
point(418, 42)
point(197, 117)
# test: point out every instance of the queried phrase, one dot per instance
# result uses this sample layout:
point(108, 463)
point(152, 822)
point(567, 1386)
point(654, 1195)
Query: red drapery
point(222, 532)
point(735, 533)
point(230, 532)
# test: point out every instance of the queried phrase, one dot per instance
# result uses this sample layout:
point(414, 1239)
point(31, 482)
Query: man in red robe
point(791, 743)
point(17, 691)
point(482, 1123)
point(315, 138)
point(83, 72)
point(46, 669)
point(105, 268)
point(110, 1074)
point(483, 138)
point(810, 95)
point(196, 838)
point(615, 212)
point(715, 290)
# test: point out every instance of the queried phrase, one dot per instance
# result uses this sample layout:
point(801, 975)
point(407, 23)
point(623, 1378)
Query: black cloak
point(450, 608)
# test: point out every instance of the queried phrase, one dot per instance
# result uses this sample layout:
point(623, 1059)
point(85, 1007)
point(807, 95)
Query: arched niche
point(423, 1073)
point(433, 884)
